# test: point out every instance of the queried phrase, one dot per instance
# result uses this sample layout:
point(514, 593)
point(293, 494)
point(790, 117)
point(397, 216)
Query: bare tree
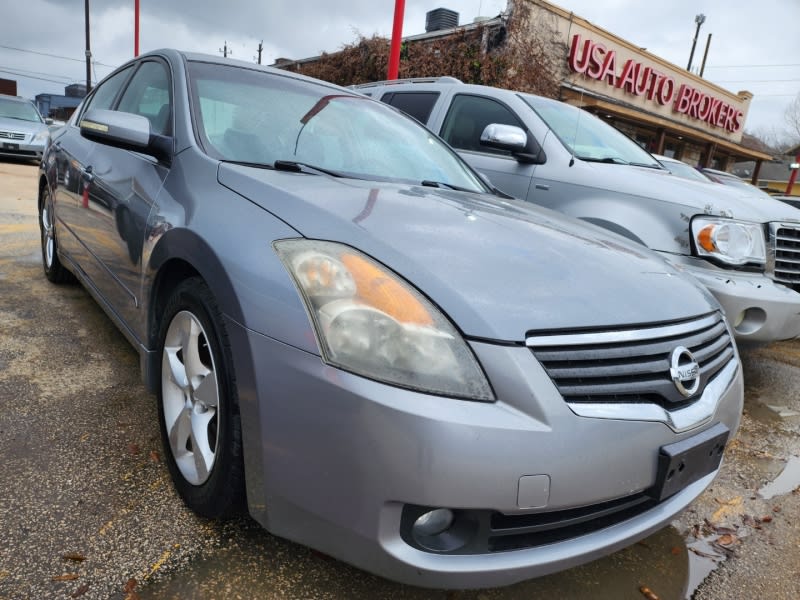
point(792, 118)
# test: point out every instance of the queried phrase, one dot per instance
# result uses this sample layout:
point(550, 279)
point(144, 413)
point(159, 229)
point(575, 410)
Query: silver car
point(353, 338)
point(23, 131)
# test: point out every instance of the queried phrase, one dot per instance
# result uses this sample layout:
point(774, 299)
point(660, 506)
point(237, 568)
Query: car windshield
point(588, 137)
point(251, 116)
point(23, 111)
point(681, 169)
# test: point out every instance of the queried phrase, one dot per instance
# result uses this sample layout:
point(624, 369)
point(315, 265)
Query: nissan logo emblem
point(685, 371)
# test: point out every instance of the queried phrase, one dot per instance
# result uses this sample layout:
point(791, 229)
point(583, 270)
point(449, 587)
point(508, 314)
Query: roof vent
point(440, 18)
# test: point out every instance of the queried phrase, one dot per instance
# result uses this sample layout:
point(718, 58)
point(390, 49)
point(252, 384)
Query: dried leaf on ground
point(65, 577)
point(154, 456)
point(82, 589)
point(133, 448)
point(727, 539)
point(130, 585)
point(648, 593)
point(76, 556)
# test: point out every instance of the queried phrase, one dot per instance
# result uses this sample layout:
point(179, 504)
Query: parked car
point(564, 158)
point(681, 169)
point(733, 181)
point(790, 200)
point(23, 131)
point(348, 332)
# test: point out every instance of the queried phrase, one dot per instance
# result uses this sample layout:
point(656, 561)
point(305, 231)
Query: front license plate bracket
point(682, 463)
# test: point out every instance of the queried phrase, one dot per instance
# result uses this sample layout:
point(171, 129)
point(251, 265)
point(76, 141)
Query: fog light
point(433, 522)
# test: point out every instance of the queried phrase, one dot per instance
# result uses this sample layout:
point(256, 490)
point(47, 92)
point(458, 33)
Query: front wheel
point(198, 408)
point(53, 269)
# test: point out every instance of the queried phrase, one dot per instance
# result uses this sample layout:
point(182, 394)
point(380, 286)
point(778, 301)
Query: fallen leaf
point(704, 554)
point(776, 509)
point(729, 507)
point(82, 589)
point(766, 519)
point(154, 456)
point(727, 539)
point(76, 556)
point(648, 593)
point(133, 448)
point(130, 585)
point(65, 577)
point(132, 596)
point(676, 550)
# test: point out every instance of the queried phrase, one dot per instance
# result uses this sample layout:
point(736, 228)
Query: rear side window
point(468, 117)
point(416, 104)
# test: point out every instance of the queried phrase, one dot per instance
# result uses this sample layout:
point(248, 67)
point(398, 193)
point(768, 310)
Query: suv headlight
point(42, 136)
point(371, 322)
point(732, 242)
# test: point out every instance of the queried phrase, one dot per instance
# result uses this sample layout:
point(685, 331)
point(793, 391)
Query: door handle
point(87, 175)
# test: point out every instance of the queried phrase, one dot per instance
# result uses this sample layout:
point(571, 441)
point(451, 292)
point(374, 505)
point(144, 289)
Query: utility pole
point(88, 50)
point(224, 49)
point(260, 48)
point(397, 39)
point(705, 56)
point(699, 19)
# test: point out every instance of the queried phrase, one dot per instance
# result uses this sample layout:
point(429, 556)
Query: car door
point(122, 191)
point(466, 118)
point(72, 154)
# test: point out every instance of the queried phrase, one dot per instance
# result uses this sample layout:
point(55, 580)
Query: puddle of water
point(703, 560)
point(786, 482)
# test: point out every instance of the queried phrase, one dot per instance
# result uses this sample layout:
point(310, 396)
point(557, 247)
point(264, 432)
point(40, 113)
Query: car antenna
point(575, 137)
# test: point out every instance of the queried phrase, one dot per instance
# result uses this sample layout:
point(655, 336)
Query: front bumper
point(332, 459)
point(758, 309)
point(15, 149)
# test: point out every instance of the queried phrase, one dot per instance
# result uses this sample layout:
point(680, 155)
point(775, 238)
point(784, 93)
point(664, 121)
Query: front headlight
point(732, 242)
point(41, 137)
point(371, 322)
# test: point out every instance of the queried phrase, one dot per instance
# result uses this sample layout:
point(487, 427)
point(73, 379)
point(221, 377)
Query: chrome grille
point(12, 135)
point(632, 365)
point(786, 250)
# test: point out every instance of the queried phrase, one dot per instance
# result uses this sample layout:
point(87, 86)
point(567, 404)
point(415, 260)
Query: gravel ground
point(88, 510)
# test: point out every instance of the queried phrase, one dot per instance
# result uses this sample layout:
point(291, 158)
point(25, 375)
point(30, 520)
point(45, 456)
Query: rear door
point(73, 152)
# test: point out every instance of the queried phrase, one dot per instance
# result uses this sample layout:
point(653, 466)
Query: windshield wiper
point(612, 160)
point(647, 165)
point(301, 167)
point(444, 184)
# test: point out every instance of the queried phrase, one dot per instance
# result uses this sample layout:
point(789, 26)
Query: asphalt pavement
point(87, 509)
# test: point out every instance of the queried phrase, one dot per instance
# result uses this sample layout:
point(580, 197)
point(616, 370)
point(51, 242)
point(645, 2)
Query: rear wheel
point(198, 408)
point(53, 269)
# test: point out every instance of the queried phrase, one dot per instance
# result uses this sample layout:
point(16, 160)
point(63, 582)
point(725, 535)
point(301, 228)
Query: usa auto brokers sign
point(594, 60)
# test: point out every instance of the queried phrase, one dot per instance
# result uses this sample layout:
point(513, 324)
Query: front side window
point(105, 94)
point(468, 117)
point(587, 137)
point(22, 111)
point(148, 95)
point(246, 115)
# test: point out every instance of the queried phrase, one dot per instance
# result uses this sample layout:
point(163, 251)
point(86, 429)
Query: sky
point(755, 46)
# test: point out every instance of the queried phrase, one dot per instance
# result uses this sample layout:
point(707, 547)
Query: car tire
point(197, 403)
point(53, 269)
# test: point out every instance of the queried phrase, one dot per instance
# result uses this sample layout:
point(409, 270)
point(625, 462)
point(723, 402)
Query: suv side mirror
point(513, 139)
point(127, 131)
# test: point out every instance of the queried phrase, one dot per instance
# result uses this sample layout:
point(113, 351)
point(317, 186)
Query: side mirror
point(48, 121)
point(126, 131)
point(513, 139)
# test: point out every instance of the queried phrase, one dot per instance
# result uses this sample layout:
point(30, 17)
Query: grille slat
point(634, 371)
point(12, 135)
point(786, 248)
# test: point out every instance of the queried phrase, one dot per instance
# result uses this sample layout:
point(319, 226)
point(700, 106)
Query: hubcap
point(48, 242)
point(190, 397)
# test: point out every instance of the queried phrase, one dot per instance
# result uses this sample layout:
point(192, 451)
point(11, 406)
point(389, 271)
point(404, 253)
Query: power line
point(80, 60)
point(756, 80)
point(60, 82)
point(750, 66)
point(27, 72)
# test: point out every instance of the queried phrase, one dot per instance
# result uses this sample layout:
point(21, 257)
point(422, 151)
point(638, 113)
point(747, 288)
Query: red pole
point(136, 27)
point(397, 38)
point(792, 177)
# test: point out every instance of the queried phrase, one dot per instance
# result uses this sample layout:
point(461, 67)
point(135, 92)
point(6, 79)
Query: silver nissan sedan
point(355, 338)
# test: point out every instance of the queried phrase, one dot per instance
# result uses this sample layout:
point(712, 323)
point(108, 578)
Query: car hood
point(27, 127)
point(710, 198)
point(498, 268)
